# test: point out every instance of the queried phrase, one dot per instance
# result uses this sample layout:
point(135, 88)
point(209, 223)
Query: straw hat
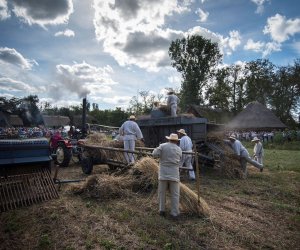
point(132, 117)
point(170, 92)
point(173, 137)
point(232, 137)
point(255, 139)
point(181, 131)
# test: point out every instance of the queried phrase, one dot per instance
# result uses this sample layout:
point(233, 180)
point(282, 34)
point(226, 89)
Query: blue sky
point(63, 50)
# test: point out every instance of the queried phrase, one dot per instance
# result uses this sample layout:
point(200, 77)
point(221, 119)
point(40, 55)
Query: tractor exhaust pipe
point(84, 116)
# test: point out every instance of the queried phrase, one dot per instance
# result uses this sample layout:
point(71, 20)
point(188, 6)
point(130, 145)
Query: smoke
point(30, 114)
point(83, 79)
point(73, 80)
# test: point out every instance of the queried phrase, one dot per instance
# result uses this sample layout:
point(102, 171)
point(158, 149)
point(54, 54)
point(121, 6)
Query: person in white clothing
point(240, 151)
point(169, 155)
point(172, 103)
point(258, 151)
point(131, 132)
point(186, 145)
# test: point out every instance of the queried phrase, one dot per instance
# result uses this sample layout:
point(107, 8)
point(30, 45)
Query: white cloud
point(260, 5)
point(270, 48)
point(8, 84)
point(280, 28)
point(255, 46)
point(67, 33)
point(4, 12)
point(133, 32)
point(43, 12)
point(84, 79)
point(262, 47)
point(226, 44)
point(11, 56)
point(202, 15)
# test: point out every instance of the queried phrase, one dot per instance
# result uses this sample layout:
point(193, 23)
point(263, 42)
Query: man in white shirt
point(186, 145)
point(172, 102)
point(258, 151)
point(168, 177)
point(240, 151)
point(131, 132)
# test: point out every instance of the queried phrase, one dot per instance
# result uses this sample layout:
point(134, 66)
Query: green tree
point(219, 93)
point(194, 57)
point(259, 77)
point(285, 97)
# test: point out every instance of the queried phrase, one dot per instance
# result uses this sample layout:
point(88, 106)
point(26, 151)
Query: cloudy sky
point(108, 50)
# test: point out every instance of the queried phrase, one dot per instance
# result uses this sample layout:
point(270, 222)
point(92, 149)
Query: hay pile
point(104, 187)
point(141, 178)
point(229, 165)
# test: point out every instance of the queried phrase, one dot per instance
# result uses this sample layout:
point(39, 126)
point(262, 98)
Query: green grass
point(280, 160)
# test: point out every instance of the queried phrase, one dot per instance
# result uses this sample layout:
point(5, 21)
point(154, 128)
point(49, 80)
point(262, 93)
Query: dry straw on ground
point(141, 178)
point(229, 165)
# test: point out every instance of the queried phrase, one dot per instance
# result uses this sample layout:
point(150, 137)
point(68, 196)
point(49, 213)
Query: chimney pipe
point(84, 116)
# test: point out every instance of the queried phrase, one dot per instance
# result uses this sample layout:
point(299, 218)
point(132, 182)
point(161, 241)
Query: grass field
point(261, 212)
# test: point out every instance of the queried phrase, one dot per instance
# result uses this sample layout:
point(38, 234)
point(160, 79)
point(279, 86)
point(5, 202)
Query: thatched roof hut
point(255, 116)
point(15, 120)
point(213, 115)
point(77, 120)
point(56, 120)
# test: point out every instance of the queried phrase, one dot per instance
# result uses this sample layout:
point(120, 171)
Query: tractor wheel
point(87, 165)
point(63, 155)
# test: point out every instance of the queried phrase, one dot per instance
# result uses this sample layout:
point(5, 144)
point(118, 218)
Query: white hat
point(132, 117)
point(181, 131)
point(232, 137)
point(255, 139)
point(170, 92)
point(173, 137)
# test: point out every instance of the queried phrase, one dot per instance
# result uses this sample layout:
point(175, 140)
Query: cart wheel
point(63, 155)
point(87, 165)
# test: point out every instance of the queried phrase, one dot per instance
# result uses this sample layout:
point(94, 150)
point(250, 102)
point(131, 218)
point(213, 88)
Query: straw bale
point(97, 139)
point(145, 172)
point(189, 202)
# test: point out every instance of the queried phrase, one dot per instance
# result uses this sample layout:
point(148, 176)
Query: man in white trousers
point(258, 151)
point(169, 155)
point(187, 146)
point(131, 132)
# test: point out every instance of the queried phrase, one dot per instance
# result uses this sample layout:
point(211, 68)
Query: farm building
point(55, 120)
point(255, 116)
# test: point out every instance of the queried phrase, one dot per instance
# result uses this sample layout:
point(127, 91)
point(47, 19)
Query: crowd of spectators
point(267, 136)
point(34, 132)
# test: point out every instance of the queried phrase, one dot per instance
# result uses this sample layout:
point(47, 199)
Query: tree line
point(230, 88)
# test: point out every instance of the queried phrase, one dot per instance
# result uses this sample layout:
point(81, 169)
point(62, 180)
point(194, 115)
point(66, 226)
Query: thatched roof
point(255, 116)
point(77, 120)
point(55, 120)
point(15, 120)
point(212, 115)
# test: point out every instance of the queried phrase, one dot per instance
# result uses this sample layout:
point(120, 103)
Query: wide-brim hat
point(170, 92)
point(132, 117)
point(232, 137)
point(181, 131)
point(255, 139)
point(173, 137)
